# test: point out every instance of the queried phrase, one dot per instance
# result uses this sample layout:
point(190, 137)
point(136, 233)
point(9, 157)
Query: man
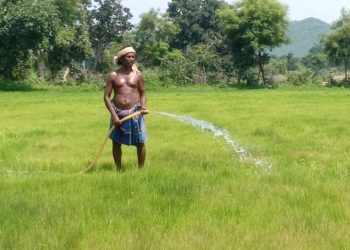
point(128, 86)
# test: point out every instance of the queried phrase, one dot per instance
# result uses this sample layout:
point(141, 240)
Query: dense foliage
point(25, 27)
point(108, 22)
point(194, 41)
point(253, 28)
point(337, 43)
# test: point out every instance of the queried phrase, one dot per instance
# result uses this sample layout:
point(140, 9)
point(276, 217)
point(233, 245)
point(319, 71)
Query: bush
point(16, 86)
point(152, 79)
point(339, 83)
point(299, 77)
point(176, 68)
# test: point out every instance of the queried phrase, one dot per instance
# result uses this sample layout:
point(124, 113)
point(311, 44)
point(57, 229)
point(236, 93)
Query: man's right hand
point(117, 122)
point(144, 111)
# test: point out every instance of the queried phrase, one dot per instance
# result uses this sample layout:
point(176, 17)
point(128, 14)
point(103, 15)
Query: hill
point(303, 36)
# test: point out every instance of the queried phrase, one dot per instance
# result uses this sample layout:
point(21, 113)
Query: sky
point(326, 10)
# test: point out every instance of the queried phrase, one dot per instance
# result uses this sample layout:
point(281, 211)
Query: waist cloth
point(132, 131)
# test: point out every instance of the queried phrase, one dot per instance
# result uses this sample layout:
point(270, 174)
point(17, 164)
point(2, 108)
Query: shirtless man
point(128, 86)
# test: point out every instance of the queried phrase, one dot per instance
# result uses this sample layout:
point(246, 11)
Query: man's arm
point(107, 100)
point(143, 97)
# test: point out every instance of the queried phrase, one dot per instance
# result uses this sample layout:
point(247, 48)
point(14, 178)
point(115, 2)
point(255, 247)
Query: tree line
point(194, 41)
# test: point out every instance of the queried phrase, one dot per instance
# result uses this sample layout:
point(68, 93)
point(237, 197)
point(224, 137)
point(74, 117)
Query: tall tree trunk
point(66, 73)
point(205, 74)
point(346, 62)
point(40, 63)
point(7, 74)
point(99, 53)
point(40, 69)
point(261, 67)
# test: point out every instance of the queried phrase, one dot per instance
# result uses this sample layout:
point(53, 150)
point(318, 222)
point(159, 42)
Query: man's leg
point(117, 155)
point(141, 154)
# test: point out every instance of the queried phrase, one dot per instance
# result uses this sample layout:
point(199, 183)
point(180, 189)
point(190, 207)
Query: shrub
point(299, 77)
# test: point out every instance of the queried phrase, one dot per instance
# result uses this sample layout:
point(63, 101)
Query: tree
point(71, 44)
point(108, 21)
point(176, 68)
point(197, 21)
point(316, 59)
point(343, 19)
point(292, 61)
point(208, 62)
point(49, 32)
point(253, 28)
point(153, 36)
point(337, 42)
point(24, 25)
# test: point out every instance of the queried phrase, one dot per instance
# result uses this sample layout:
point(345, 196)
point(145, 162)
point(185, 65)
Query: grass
point(194, 192)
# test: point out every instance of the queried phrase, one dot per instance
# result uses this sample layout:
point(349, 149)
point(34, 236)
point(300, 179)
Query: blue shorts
point(132, 131)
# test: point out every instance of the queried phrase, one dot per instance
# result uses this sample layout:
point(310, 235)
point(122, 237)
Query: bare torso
point(126, 89)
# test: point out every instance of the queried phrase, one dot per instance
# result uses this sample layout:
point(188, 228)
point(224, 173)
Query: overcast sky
point(326, 10)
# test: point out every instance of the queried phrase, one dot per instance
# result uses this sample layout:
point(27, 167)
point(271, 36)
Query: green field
point(195, 192)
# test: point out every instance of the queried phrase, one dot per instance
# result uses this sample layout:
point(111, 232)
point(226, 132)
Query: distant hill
point(303, 36)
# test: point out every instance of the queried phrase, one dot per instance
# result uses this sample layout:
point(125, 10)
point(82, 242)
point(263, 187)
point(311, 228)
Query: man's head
point(126, 54)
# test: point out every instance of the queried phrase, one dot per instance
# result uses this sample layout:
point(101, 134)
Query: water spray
point(243, 154)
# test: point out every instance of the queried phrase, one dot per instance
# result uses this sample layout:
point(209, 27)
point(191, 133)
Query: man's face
point(129, 59)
